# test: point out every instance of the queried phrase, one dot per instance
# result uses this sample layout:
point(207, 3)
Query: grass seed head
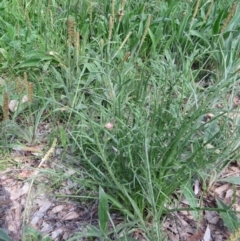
point(146, 29)
point(5, 106)
point(19, 85)
point(70, 32)
point(110, 28)
point(229, 17)
point(76, 42)
point(195, 11)
point(30, 92)
point(113, 11)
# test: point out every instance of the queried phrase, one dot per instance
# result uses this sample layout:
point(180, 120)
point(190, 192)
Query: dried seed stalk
point(19, 85)
point(121, 11)
point(76, 42)
point(70, 32)
point(113, 11)
point(30, 92)
point(209, 11)
point(110, 28)
point(123, 43)
point(195, 11)
point(25, 79)
point(126, 56)
point(146, 29)
point(5, 106)
point(229, 17)
point(28, 19)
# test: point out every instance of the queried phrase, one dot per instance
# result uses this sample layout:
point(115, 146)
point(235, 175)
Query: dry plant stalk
point(5, 106)
point(209, 11)
point(28, 19)
point(126, 56)
point(123, 4)
point(110, 28)
point(76, 43)
point(113, 11)
point(123, 43)
point(121, 11)
point(229, 17)
point(30, 92)
point(19, 85)
point(195, 11)
point(146, 29)
point(25, 79)
point(70, 32)
point(44, 159)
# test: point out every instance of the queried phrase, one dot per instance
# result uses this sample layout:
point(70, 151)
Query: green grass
point(179, 69)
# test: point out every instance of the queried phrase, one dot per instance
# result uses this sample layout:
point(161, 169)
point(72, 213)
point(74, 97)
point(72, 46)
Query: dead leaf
point(58, 208)
point(207, 235)
point(21, 192)
point(70, 216)
point(196, 187)
point(13, 104)
point(24, 99)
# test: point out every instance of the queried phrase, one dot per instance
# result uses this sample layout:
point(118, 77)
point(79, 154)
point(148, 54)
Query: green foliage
point(4, 236)
point(31, 234)
point(153, 77)
point(230, 219)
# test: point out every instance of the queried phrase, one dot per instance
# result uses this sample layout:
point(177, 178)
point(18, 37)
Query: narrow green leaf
point(233, 180)
point(103, 211)
point(4, 236)
point(127, 239)
point(229, 218)
point(201, 36)
point(216, 26)
point(29, 63)
point(191, 198)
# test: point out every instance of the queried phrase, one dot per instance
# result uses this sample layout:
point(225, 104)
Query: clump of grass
point(136, 124)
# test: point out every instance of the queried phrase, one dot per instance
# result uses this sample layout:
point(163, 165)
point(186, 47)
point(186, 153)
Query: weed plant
point(131, 84)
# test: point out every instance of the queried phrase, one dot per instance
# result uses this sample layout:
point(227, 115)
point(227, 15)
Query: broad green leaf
point(229, 217)
point(103, 211)
point(29, 63)
point(4, 236)
point(233, 180)
point(201, 36)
